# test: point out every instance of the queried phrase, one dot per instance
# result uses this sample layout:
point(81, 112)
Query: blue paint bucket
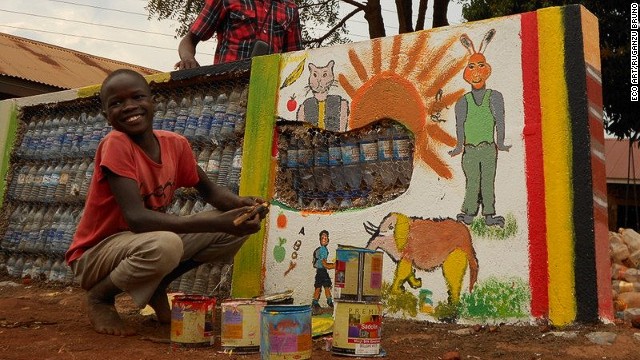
point(286, 332)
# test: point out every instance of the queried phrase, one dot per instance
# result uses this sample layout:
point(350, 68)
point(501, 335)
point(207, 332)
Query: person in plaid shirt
point(237, 25)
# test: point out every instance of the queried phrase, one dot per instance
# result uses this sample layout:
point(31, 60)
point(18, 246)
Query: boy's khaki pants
point(137, 263)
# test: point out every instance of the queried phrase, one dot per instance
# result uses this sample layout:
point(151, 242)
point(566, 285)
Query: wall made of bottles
point(52, 165)
point(320, 170)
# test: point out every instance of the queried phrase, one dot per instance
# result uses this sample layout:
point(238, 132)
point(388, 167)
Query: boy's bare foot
point(102, 310)
point(159, 302)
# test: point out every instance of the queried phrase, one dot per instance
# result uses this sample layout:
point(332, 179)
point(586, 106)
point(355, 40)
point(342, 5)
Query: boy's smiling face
point(127, 104)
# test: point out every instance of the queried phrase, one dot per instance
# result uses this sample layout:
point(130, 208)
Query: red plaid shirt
point(237, 23)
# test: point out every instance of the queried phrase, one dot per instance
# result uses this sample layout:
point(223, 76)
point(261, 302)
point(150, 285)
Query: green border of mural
point(256, 167)
point(6, 151)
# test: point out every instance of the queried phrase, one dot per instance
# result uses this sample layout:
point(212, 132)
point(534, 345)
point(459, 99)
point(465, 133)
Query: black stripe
point(586, 286)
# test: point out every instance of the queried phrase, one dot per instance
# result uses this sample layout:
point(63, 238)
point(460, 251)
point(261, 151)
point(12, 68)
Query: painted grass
point(479, 229)
point(496, 299)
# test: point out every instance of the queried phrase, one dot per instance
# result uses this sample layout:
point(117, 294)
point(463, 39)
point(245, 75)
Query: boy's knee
point(167, 247)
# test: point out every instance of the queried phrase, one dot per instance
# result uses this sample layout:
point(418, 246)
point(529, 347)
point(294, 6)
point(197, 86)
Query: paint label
point(240, 329)
point(357, 328)
point(192, 319)
point(286, 332)
point(358, 274)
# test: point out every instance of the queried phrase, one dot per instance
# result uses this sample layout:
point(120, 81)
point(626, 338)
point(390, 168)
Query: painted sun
point(407, 91)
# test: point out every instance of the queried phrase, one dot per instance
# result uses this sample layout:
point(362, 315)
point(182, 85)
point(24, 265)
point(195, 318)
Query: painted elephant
point(425, 244)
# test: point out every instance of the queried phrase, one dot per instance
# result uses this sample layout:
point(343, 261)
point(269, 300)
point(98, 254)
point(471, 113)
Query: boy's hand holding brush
point(253, 211)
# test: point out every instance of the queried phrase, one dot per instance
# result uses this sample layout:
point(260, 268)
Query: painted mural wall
point(482, 176)
point(500, 217)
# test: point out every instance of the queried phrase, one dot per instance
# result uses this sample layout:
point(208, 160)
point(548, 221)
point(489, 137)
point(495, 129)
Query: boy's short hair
point(323, 232)
point(116, 73)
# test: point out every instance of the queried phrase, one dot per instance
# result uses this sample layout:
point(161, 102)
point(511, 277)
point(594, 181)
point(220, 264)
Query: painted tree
point(614, 22)
point(319, 14)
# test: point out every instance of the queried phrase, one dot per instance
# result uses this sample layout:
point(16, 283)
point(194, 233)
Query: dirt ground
point(40, 321)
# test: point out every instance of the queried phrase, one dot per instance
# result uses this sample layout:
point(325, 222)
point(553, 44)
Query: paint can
point(358, 274)
point(240, 325)
point(357, 329)
point(192, 318)
point(286, 332)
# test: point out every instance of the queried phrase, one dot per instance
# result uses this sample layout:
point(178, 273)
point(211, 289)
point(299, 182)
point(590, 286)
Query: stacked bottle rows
point(63, 136)
point(65, 180)
point(222, 163)
point(36, 229)
point(36, 268)
point(212, 280)
point(204, 118)
point(322, 170)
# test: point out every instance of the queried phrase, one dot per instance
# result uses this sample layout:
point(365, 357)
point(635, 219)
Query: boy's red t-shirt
point(102, 216)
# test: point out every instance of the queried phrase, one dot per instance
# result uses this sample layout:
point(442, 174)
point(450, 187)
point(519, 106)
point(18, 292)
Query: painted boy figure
point(125, 242)
point(322, 280)
point(478, 113)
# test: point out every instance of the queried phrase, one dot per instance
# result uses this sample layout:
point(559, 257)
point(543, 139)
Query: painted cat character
point(480, 131)
point(329, 112)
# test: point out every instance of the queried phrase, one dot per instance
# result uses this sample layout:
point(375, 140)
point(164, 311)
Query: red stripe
point(594, 91)
point(600, 216)
point(538, 272)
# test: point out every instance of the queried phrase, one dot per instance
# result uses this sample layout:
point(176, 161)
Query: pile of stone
point(624, 248)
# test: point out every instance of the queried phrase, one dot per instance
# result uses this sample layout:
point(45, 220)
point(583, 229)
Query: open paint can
point(286, 332)
point(357, 329)
point(358, 274)
point(192, 319)
point(240, 325)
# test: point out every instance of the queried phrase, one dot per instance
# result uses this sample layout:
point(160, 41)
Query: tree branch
point(422, 14)
point(333, 29)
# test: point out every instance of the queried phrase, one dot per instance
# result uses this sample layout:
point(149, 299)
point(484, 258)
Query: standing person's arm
point(202, 29)
point(187, 52)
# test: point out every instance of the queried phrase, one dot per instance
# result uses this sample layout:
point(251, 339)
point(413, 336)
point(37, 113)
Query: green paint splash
point(399, 302)
point(479, 229)
point(496, 299)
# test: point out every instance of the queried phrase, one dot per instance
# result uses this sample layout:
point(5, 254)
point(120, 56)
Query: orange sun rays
point(406, 92)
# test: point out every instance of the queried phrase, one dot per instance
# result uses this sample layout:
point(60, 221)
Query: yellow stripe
point(93, 90)
point(88, 91)
point(557, 154)
point(247, 279)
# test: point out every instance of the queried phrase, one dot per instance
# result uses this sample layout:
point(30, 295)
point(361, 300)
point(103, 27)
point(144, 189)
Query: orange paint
point(395, 52)
point(377, 55)
point(416, 51)
point(281, 221)
point(408, 110)
point(357, 65)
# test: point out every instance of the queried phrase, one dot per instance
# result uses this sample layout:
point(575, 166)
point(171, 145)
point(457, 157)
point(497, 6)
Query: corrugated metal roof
point(617, 160)
point(55, 66)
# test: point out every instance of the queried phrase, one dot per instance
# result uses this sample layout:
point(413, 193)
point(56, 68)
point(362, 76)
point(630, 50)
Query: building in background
point(29, 67)
point(623, 184)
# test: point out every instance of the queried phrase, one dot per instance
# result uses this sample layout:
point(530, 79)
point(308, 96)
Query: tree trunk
point(373, 15)
point(422, 14)
point(440, 8)
point(404, 11)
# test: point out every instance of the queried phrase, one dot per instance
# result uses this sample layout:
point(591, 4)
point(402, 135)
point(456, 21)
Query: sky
point(120, 30)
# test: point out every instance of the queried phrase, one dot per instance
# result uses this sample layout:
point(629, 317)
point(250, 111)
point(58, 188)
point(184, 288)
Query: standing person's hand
point(189, 63)
point(187, 52)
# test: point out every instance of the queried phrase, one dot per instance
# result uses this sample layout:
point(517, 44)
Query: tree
point(613, 18)
point(316, 14)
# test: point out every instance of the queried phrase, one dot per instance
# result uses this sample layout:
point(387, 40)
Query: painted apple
point(281, 221)
point(292, 104)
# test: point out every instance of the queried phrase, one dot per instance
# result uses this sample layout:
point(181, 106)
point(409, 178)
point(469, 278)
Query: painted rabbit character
point(480, 132)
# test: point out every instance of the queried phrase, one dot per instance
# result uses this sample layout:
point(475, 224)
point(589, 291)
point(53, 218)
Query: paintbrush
point(256, 209)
